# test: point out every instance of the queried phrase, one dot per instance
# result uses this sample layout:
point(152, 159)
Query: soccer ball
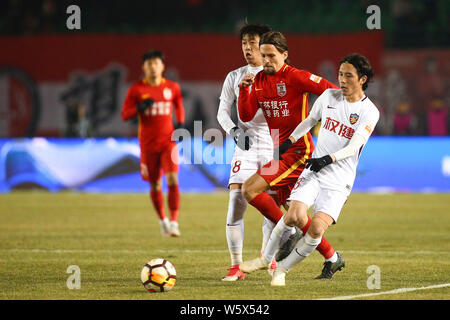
point(158, 275)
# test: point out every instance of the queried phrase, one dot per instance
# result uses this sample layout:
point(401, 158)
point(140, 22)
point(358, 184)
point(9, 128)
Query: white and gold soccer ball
point(158, 275)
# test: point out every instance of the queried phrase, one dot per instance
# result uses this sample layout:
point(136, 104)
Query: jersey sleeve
point(368, 123)
point(314, 116)
point(247, 104)
point(178, 104)
point(227, 93)
point(316, 110)
point(227, 99)
point(129, 105)
point(308, 82)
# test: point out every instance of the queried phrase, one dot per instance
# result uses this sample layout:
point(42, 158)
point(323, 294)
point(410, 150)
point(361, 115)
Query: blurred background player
point(348, 119)
point(151, 100)
point(254, 147)
point(281, 91)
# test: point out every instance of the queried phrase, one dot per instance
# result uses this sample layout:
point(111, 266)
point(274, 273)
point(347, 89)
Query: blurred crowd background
point(411, 88)
point(406, 23)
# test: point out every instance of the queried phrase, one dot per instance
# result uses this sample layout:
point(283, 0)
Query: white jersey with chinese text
point(340, 120)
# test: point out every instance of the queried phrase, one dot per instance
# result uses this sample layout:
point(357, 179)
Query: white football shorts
point(243, 168)
point(310, 192)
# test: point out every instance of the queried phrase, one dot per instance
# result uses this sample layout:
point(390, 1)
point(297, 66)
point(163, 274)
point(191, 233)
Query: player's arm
point(247, 102)
point(352, 148)
point(227, 98)
point(303, 128)
point(358, 140)
point(131, 106)
point(308, 82)
point(178, 107)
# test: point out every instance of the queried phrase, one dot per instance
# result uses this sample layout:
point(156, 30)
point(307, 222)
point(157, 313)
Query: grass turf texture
point(110, 237)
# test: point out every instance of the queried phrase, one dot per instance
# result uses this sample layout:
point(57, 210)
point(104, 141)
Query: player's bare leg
point(235, 231)
point(254, 186)
point(174, 203)
point(158, 203)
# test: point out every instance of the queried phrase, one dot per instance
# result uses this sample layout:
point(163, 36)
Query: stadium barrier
point(387, 164)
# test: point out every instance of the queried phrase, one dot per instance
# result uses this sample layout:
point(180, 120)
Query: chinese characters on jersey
point(275, 109)
point(339, 128)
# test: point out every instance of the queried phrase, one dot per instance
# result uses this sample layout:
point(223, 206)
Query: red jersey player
point(281, 91)
point(152, 100)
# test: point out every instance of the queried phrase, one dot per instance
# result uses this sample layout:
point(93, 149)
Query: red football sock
point(158, 203)
point(267, 206)
point(174, 202)
point(324, 247)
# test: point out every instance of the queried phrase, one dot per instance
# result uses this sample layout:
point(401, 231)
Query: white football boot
point(165, 226)
point(278, 277)
point(253, 265)
point(174, 230)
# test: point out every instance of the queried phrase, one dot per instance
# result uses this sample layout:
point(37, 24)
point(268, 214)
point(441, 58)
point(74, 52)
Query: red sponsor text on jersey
point(339, 128)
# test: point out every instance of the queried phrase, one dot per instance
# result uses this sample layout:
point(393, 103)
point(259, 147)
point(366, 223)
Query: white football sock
point(267, 228)
point(235, 225)
point(333, 258)
point(274, 241)
point(304, 247)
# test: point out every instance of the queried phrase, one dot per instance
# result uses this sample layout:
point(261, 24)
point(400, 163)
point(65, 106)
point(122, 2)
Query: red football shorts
point(154, 164)
point(281, 175)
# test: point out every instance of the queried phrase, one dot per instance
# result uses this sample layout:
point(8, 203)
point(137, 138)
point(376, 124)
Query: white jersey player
point(348, 118)
point(254, 147)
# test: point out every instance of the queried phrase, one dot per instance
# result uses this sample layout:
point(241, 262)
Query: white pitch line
point(395, 291)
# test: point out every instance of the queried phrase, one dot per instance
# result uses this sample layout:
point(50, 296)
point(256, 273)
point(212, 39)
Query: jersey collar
point(144, 81)
point(283, 69)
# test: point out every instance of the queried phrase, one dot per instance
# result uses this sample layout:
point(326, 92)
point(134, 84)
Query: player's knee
point(293, 218)
point(296, 216)
point(172, 179)
point(317, 227)
point(156, 186)
point(247, 191)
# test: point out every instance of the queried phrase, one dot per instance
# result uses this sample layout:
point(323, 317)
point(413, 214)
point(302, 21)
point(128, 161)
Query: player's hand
point(247, 80)
point(282, 149)
point(316, 164)
point(243, 139)
point(144, 105)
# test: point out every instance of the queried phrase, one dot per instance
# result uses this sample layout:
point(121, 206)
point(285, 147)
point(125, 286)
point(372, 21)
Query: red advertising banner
point(41, 76)
point(195, 56)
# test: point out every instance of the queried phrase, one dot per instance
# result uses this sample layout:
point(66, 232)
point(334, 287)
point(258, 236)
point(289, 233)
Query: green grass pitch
point(111, 236)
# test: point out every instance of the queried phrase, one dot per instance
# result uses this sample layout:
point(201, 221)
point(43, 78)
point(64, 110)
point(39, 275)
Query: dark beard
point(270, 72)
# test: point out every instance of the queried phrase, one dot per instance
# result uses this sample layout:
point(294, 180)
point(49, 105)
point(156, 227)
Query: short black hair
point(254, 29)
point(362, 66)
point(153, 54)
